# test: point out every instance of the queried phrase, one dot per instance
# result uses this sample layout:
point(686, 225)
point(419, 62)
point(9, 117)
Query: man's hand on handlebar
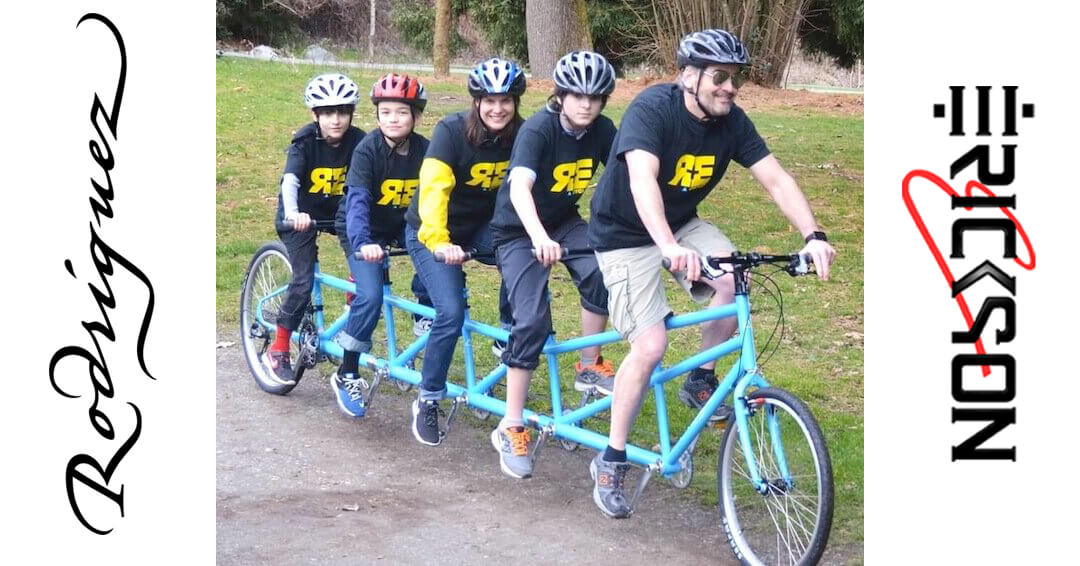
point(822, 254)
point(683, 260)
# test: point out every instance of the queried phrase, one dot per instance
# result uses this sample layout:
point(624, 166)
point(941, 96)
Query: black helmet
point(711, 47)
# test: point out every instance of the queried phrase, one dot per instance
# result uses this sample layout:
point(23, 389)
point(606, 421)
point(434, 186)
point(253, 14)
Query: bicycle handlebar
point(439, 257)
point(287, 225)
point(797, 264)
point(387, 252)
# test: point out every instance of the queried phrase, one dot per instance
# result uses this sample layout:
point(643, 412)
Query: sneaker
point(695, 392)
point(608, 490)
point(513, 447)
point(349, 389)
point(593, 376)
point(497, 348)
point(280, 367)
point(422, 326)
point(425, 422)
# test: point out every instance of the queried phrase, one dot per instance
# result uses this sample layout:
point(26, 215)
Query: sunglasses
point(721, 76)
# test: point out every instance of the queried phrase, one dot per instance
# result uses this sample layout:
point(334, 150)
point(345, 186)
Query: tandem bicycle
point(774, 473)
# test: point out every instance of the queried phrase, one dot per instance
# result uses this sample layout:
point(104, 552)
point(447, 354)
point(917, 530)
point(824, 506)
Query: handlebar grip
point(439, 257)
point(666, 263)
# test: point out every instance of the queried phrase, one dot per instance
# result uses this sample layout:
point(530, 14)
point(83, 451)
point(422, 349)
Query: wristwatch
point(817, 235)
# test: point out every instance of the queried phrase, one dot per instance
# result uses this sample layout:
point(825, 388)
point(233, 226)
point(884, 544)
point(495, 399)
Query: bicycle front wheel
point(268, 275)
point(790, 523)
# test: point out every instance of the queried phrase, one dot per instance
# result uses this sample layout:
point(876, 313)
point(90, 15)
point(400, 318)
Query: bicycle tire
point(269, 270)
point(790, 524)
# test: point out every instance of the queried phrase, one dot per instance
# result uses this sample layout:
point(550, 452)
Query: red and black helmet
point(399, 88)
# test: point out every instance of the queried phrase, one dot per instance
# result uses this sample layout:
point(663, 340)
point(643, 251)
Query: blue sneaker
point(349, 390)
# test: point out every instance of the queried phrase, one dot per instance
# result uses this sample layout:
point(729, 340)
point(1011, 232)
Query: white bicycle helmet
point(584, 72)
point(496, 76)
point(331, 89)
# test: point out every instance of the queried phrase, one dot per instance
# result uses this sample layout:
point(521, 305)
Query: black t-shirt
point(564, 166)
point(391, 180)
point(321, 170)
point(693, 157)
point(477, 174)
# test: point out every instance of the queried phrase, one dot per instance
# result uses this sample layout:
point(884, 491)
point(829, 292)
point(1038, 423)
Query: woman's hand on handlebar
point(452, 254)
point(683, 260)
point(822, 254)
point(301, 221)
point(371, 252)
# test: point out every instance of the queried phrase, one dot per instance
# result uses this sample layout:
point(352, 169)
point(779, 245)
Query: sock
point(281, 340)
point(350, 363)
point(613, 455)
point(507, 423)
point(586, 362)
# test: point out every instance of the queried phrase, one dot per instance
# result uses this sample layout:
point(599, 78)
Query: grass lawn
point(820, 358)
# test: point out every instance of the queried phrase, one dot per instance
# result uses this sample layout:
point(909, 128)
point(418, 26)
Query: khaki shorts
point(636, 299)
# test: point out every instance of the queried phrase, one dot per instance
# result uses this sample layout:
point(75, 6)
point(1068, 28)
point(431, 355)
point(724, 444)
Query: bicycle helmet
point(584, 72)
point(331, 89)
point(496, 76)
point(399, 88)
point(711, 47)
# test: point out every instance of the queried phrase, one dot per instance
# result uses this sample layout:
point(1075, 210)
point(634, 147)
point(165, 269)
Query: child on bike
point(555, 156)
point(465, 164)
point(311, 189)
point(382, 180)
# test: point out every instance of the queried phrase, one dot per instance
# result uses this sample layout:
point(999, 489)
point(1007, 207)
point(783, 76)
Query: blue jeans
point(366, 306)
point(446, 284)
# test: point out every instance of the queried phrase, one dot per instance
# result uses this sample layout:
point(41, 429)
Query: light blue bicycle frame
point(567, 424)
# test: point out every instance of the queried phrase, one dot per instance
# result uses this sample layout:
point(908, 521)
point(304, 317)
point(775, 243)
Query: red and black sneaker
point(280, 367)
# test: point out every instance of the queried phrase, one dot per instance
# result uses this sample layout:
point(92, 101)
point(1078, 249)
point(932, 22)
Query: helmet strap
point(709, 118)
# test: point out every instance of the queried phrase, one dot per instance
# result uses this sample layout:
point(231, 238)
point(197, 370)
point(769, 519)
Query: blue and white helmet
point(711, 47)
point(496, 76)
point(331, 89)
point(584, 72)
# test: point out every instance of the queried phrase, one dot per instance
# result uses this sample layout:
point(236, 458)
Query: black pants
point(303, 253)
point(526, 280)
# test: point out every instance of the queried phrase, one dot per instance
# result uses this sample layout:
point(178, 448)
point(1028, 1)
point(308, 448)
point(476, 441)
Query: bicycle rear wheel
point(269, 272)
point(790, 523)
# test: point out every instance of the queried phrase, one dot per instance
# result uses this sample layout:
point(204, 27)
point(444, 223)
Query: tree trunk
point(441, 48)
point(371, 35)
point(555, 28)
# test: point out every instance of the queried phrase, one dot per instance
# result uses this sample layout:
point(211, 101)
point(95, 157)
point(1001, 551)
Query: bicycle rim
point(270, 271)
point(789, 524)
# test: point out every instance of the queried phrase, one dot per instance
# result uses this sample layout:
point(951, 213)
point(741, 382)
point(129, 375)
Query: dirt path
point(299, 483)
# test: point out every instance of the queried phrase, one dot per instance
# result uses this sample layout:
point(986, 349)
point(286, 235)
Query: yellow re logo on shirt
point(574, 175)
point(398, 192)
point(328, 180)
point(488, 175)
point(693, 171)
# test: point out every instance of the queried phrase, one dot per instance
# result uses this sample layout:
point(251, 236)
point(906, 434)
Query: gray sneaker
point(513, 447)
point(421, 326)
point(608, 490)
point(697, 392)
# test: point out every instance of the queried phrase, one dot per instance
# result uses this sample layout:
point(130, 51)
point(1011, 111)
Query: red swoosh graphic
point(971, 185)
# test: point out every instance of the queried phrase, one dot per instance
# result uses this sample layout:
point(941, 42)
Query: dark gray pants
point(303, 253)
point(526, 280)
